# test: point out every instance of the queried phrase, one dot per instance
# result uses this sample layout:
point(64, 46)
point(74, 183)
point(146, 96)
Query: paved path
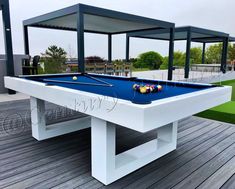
point(18, 96)
point(194, 76)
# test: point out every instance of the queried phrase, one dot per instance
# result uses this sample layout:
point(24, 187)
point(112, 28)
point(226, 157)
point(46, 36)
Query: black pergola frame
point(4, 7)
point(231, 39)
point(215, 37)
point(80, 10)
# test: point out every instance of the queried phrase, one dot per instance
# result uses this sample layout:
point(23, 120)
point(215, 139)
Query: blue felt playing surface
point(122, 87)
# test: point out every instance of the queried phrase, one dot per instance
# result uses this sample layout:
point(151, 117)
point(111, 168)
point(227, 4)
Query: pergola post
point(8, 40)
point(80, 42)
point(224, 55)
point(127, 48)
point(171, 53)
point(187, 61)
point(203, 53)
point(110, 48)
point(26, 40)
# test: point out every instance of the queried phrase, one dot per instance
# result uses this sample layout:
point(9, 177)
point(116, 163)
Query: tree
point(151, 60)
point(231, 51)
point(133, 60)
point(196, 55)
point(164, 65)
point(56, 53)
point(179, 58)
point(54, 59)
point(118, 61)
point(94, 59)
point(213, 53)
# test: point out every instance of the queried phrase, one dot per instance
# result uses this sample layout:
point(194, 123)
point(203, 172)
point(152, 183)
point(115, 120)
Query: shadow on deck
point(205, 156)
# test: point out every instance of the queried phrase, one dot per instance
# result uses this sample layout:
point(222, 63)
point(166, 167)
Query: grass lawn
point(230, 83)
point(224, 112)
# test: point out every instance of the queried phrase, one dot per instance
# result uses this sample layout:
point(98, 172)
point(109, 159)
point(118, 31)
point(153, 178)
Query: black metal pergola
point(231, 39)
point(190, 34)
point(83, 18)
point(4, 7)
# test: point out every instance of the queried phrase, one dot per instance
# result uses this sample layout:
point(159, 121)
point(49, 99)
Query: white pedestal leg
point(167, 135)
point(108, 167)
point(103, 149)
point(41, 131)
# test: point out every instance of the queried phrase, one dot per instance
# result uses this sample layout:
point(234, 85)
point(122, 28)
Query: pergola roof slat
point(97, 20)
point(208, 32)
point(52, 15)
point(197, 34)
point(190, 34)
point(84, 18)
point(232, 39)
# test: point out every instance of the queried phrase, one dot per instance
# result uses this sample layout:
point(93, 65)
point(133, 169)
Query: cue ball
point(75, 78)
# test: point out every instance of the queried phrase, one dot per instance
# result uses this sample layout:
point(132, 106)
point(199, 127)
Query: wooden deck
point(205, 157)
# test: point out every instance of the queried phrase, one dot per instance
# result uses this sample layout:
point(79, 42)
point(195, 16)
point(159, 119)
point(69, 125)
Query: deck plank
point(208, 169)
point(217, 180)
point(205, 151)
point(230, 183)
point(211, 156)
point(165, 169)
point(193, 128)
point(34, 176)
point(48, 157)
point(218, 132)
point(74, 182)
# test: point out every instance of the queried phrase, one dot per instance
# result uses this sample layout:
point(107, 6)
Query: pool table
point(110, 101)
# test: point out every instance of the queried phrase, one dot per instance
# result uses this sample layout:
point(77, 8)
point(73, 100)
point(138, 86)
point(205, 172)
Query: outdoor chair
point(90, 67)
point(127, 68)
point(100, 68)
point(31, 69)
point(25, 65)
point(118, 69)
point(109, 69)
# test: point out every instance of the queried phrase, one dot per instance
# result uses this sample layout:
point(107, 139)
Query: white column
point(167, 135)
point(41, 131)
point(108, 167)
point(38, 120)
point(103, 146)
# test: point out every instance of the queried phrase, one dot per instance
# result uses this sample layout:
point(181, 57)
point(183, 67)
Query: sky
point(210, 14)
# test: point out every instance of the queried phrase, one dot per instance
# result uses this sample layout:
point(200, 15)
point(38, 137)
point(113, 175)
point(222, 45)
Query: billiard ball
point(148, 89)
point(135, 86)
point(159, 87)
point(142, 90)
point(75, 78)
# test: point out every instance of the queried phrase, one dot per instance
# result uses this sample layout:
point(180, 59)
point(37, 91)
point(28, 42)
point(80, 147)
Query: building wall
point(17, 67)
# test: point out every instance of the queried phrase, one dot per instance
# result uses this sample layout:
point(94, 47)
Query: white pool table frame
point(106, 112)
